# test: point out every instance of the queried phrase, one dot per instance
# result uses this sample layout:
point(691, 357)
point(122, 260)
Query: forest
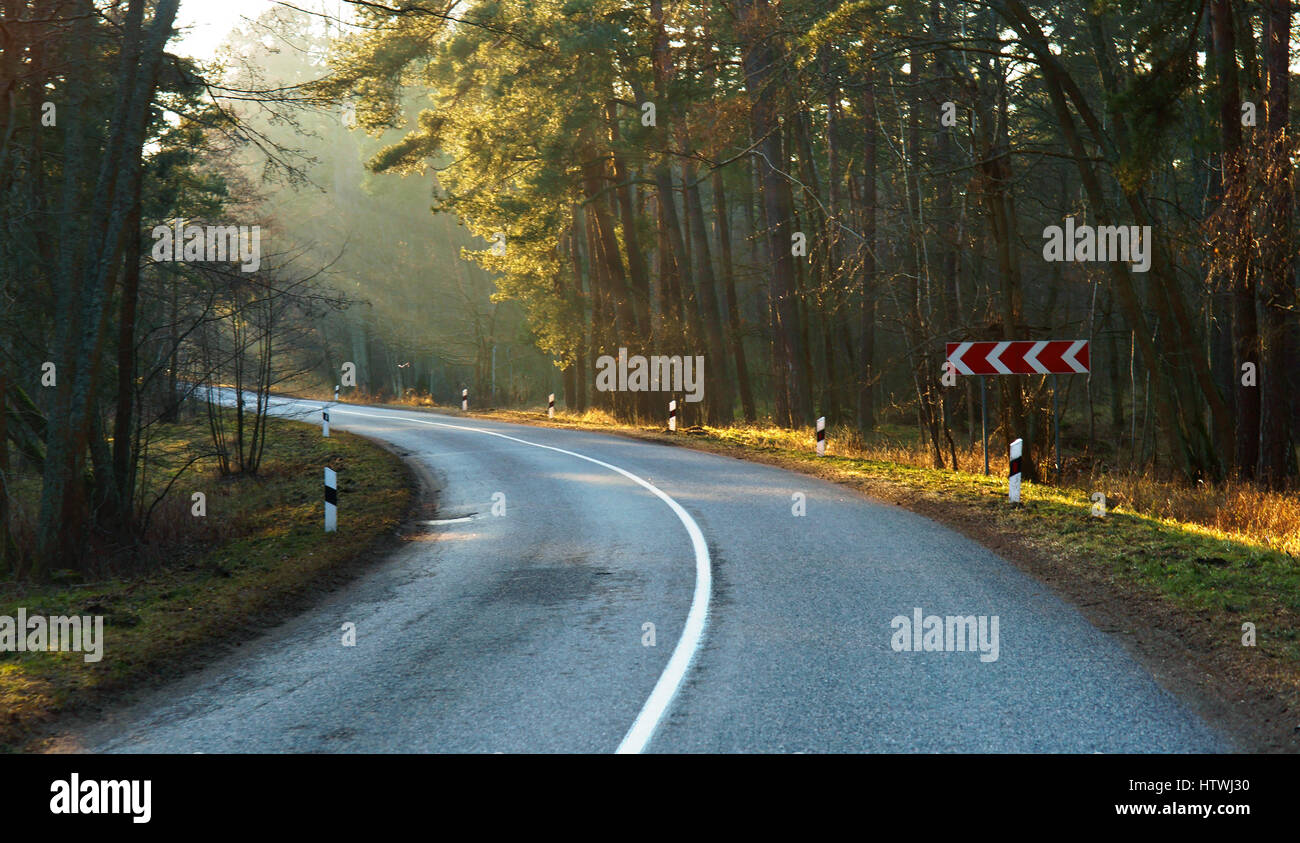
point(818, 196)
point(813, 197)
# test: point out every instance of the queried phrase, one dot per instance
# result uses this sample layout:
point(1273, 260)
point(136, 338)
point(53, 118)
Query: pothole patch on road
point(425, 529)
point(437, 522)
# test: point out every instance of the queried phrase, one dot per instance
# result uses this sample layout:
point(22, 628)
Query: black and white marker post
point(331, 501)
point(464, 400)
point(672, 415)
point(821, 436)
point(550, 406)
point(1014, 485)
point(325, 422)
point(336, 393)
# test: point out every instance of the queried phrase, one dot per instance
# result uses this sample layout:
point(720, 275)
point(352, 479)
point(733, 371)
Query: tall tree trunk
point(1240, 285)
point(866, 356)
point(678, 252)
point(593, 172)
point(734, 335)
point(1277, 289)
point(991, 131)
point(760, 60)
point(5, 556)
point(670, 288)
point(636, 263)
point(819, 307)
point(945, 228)
point(123, 458)
point(780, 385)
point(720, 403)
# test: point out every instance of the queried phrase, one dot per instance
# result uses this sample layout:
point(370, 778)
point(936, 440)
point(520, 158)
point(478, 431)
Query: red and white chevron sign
point(1021, 357)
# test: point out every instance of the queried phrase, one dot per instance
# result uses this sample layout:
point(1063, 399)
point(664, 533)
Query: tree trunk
point(1239, 285)
point(719, 402)
point(734, 335)
point(760, 59)
point(1277, 289)
point(123, 458)
point(636, 263)
point(866, 356)
point(593, 171)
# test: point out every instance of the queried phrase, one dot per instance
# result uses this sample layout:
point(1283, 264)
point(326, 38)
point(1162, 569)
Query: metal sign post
point(1056, 429)
point(1020, 357)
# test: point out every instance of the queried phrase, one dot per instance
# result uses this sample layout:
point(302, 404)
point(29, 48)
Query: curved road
point(526, 631)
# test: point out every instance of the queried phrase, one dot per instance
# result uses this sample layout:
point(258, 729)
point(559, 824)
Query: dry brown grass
point(1233, 509)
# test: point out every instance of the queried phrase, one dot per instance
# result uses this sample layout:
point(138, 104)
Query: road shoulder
point(218, 597)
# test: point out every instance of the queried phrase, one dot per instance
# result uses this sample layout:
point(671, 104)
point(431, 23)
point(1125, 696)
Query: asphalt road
point(525, 631)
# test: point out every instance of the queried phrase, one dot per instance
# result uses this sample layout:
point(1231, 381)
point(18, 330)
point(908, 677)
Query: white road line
point(670, 681)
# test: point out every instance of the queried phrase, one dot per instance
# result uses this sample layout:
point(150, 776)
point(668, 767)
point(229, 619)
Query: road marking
point(670, 681)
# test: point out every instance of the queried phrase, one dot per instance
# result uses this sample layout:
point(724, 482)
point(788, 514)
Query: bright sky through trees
point(205, 24)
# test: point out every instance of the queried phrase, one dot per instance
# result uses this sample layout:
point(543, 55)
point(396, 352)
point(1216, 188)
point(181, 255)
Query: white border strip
point(670, 681)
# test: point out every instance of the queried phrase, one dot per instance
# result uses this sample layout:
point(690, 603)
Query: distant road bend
point(639, 597)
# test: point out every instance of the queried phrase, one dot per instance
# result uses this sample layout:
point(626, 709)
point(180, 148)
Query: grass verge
point(258, 555)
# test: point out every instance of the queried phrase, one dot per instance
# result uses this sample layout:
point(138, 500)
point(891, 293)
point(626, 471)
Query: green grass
point(260, 553)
